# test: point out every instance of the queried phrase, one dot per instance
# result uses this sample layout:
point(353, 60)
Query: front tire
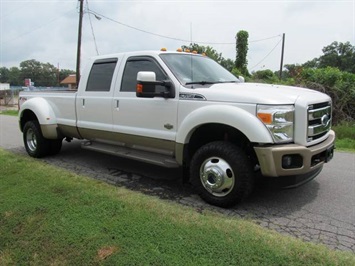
point(221, 173)
point(36, 145)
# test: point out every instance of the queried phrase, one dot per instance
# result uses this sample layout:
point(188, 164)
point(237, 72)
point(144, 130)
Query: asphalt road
point(321, 211)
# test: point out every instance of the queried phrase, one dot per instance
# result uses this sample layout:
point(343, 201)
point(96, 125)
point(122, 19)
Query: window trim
point(141, 58)
point(101, 62)
point(106, 60)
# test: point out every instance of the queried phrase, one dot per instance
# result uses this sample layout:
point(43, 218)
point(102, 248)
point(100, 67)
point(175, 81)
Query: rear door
point(94, 103)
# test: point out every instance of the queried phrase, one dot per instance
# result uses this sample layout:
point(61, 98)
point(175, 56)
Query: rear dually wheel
point(36, 145)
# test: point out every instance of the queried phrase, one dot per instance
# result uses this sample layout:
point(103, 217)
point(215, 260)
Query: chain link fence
point(9, 98)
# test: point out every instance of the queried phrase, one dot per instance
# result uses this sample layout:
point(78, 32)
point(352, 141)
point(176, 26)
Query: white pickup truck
point(177, 109)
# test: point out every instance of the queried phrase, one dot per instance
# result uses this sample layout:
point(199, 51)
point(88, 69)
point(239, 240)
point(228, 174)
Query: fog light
point(286, 161)
point(291, 161)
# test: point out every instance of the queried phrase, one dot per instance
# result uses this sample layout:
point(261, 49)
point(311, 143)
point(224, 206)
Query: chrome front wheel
point(222, 173)
point(217, 176)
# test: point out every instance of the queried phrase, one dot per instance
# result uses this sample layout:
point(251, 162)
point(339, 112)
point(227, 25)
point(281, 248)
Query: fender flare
point(233, 116)
point(44, 113)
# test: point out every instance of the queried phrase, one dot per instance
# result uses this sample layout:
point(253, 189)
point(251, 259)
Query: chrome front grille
point(319, 120)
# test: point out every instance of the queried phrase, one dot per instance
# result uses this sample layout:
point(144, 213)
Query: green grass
point(49, 216)
point(345, 134)
point(9, 112)
point(345, 145)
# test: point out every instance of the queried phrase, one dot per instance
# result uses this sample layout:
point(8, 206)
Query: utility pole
point(79, 43)
point(282, 55)
point(58, 73)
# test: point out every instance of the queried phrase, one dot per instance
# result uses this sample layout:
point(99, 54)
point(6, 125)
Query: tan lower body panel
point(270, 158)
point(135, 142)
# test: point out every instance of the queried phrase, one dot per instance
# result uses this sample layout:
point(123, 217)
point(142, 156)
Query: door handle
point(83, 102)
point(117, 104)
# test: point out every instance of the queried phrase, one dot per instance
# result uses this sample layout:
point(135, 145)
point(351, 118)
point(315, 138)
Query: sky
point(47, 31)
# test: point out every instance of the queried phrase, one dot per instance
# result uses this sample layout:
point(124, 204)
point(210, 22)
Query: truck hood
point(259, 93)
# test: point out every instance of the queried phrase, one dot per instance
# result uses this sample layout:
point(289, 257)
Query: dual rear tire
point(36, 145)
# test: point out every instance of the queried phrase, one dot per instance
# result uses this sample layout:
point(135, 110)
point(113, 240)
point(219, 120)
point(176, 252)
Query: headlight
point(279, 121)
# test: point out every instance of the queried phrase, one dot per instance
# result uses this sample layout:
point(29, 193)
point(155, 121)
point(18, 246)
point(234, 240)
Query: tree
point(236, 72)
point(293, 71)
point(15, 77)
point(49, 75)
point(337, 54)
point(265, 75)
point(211, 53)
point(41, 74)
point(200, 49)
point(30, 69)
point(242, 51)
point(11, 76)
point(228, 64)
point(194, 47)
point(4, 75)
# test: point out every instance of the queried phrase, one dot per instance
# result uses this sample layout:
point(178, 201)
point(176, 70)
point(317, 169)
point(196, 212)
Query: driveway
point(322, 211)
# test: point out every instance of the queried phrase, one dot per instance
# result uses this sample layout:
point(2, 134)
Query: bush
point(236, 72)
point(265, 76)
point(339, 85)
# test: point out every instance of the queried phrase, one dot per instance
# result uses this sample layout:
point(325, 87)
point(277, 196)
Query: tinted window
point(129, 79)
point(100, 77)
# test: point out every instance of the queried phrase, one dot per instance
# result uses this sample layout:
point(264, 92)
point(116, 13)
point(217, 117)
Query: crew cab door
point(94, 102)
point(144, 123)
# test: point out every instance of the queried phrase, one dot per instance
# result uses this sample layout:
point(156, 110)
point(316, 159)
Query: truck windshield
point(197, 69)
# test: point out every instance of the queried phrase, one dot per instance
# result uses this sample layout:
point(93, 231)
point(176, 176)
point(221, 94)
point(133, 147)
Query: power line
point(266, 55)
point(39, 27)
point(137, 29)
point(92, 29)
point(265, 39)
point(14, 10)
point(174, 38)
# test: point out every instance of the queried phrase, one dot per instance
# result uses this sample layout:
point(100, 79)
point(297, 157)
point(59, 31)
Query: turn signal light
point(139, 88)
point(265, 117)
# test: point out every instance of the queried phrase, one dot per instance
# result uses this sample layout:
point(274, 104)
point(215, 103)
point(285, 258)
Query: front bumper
point(307, 159)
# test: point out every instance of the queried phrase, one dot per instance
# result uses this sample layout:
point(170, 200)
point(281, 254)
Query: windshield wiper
point(202, 82)
point(230, 81)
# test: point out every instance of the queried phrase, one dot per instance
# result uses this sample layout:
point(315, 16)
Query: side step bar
point(143, 156)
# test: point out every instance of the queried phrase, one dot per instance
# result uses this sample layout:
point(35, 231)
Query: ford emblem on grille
point(325, 120)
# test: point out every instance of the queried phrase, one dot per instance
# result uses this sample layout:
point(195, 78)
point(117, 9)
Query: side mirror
point(147, 86)
point(241, 79)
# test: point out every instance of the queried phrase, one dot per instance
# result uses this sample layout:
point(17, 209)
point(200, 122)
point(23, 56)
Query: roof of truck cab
point(140, 53)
